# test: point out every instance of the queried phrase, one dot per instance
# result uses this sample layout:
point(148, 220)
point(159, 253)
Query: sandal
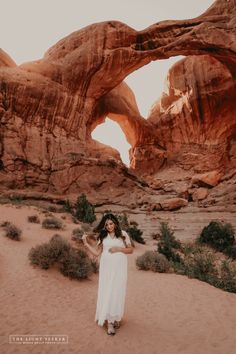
point(111, 329)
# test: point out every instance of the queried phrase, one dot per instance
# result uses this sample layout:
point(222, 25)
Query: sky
point(29, 27)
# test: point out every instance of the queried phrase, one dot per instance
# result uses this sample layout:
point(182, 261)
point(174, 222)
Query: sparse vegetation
point(46, 254)
point(201, 265)
point(34, 219)
point(67, 207)
point(16, 199)
point(168, 244)
point(227, 279)
point(52, 223)
point(135, 234)
point(194, 259)
point(72, 262)
point(152, 260)
point(76, 264)
point(84, 211)
point(230, 251)
point(131, 228)
point(217, 235)
point(11, 231)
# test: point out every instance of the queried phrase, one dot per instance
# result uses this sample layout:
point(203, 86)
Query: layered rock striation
point(49, 107)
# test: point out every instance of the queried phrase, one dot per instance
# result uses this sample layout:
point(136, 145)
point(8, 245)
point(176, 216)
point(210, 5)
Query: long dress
point(112, 281)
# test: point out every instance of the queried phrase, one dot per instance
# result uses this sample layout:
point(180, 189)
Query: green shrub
point(67, 207)
point(52, 223)
point(135, 234)
point(227, 279)
point(152, 260)
point(217, 235)
point(168, 243)
point(84, 211)
point(76, 264)
point(52, 208)
point(201, 265)
point(34, 219)
point(16, 199)
point(123, 221)
point(12, 231)
point(131, 228)
point(230, 251)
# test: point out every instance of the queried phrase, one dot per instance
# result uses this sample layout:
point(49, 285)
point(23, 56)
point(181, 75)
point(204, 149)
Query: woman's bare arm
point(95, 251)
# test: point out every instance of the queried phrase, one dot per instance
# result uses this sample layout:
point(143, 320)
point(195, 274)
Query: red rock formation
point(49, 107)
point(195, 120)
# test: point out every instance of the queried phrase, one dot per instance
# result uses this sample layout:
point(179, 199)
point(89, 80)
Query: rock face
point(49, 107)
point(196, 117)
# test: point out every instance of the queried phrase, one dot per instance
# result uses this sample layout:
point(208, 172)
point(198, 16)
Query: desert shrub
point(46, 254)
point(131, 228)
point(152, 260)
point(167, 243)
point(67, 207)
point(95, 265)
point(59, 247)
point(230, 251)
point(52, 208)
point(136, 234)
point(227, 279)
point(16, 199)
point(77, 234)
point(201, 265)
point(12, 231)
point(72, 262)
point(41, 256)
point(84, 211)
point(217, 235)
point(34, 219)
point(52, 223)
point(123, 221)
point(76, 264)
point(133, 222)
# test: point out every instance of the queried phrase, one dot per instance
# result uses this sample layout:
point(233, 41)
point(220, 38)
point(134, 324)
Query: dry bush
point(34, 219)
point(12, 231)
point(152, 260)
point(52, 223)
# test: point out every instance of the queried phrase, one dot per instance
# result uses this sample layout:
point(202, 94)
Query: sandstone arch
point(49, 107)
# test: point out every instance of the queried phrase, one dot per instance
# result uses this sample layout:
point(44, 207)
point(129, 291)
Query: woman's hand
point(114, 249)
point(84, 239)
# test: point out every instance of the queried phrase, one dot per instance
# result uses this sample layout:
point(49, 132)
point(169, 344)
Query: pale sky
point(29, 27)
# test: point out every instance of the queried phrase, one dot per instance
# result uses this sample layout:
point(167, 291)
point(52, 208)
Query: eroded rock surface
point(49, 107)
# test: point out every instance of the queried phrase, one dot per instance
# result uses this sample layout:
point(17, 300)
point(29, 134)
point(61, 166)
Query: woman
point(113, 245)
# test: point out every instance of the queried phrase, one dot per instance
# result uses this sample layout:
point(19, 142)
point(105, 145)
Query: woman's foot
point(117, 324)
point(110, 328)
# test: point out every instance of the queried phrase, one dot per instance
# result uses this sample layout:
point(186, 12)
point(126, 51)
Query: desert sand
point(165, 313)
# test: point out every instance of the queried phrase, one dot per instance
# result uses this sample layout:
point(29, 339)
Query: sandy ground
point(165, 313)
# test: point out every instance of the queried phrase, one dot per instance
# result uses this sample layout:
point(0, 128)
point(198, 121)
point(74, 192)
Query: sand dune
point(165, 313)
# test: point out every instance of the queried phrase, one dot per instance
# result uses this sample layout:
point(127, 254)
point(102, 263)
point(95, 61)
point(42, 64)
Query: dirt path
point(165, 313)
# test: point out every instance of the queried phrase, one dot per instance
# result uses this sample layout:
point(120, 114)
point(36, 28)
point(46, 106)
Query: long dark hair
point(101, 228)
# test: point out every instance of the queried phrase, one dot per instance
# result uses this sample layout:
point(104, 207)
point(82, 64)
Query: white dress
point(112, 281)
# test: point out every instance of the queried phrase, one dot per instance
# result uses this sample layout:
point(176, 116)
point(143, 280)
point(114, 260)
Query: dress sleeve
point(127, 238)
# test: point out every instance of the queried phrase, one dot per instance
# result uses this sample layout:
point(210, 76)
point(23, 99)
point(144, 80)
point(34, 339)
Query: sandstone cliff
point(49, 107)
